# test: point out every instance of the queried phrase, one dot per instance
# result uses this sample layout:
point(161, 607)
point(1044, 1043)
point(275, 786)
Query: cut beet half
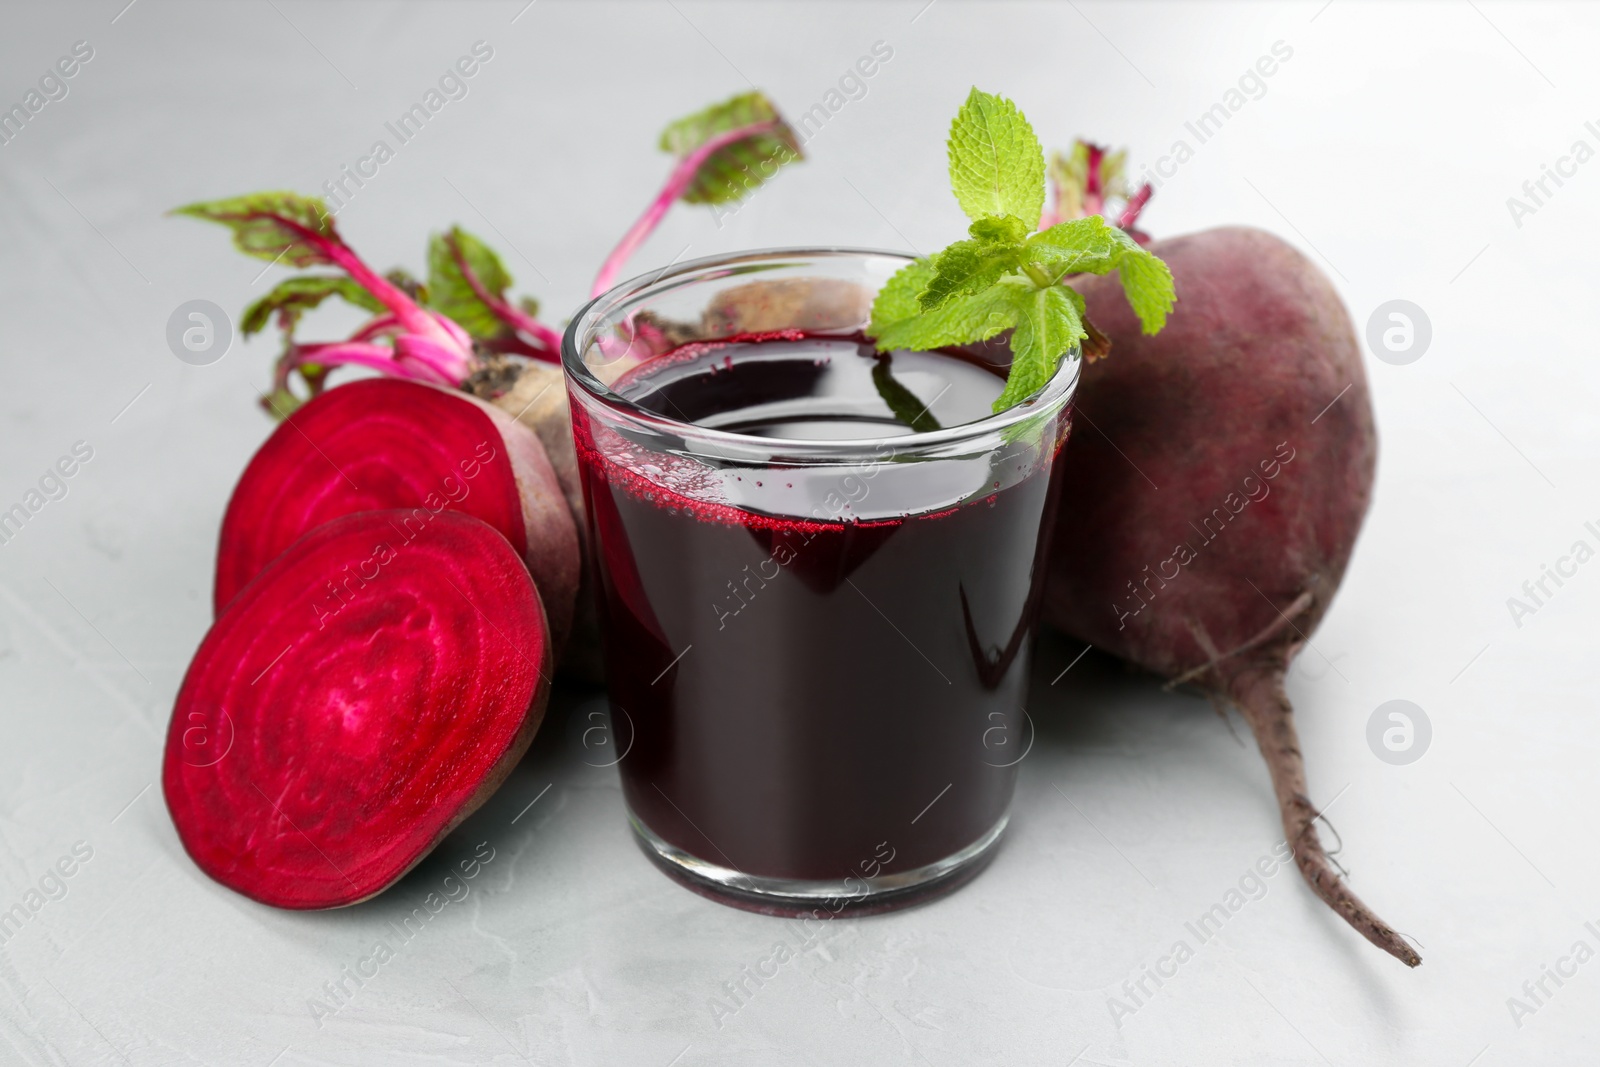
point(386, 443)
point(357, 700)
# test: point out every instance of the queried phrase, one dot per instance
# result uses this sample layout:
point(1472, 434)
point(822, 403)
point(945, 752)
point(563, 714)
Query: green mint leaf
point(968, 267)
point(1094, 246)
point(999, 229)
point(734, 169)
point(1049, 323)
point(1147, 283)
point(996, 164)
point(273, 226)
point(897, 300)
point(902, 402)
point(898, 320)
point(452, 293)
point(1077, 246)
point(299, 294)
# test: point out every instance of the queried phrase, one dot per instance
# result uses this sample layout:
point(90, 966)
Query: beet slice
point(352, 704)
point(1213, 493)
point(386, 443)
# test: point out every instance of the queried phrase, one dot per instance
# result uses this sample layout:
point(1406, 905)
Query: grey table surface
point(1386, 146)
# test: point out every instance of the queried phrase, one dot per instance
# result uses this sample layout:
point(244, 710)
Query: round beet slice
point(386, 443)
point(357, 700)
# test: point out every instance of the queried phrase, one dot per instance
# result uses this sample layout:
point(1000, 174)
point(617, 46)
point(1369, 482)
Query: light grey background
point(1386, 148)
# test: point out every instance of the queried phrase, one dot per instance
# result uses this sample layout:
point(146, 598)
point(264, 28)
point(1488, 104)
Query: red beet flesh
point(386, 443)
point(1244, 434)
point(352, 704)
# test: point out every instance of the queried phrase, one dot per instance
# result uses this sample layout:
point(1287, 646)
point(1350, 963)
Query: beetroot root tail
point(1258, 692)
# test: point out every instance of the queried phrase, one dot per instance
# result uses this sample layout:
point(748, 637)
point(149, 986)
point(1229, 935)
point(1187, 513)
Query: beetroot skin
point(326, 737)
point(1213, 490)
point(388, 443)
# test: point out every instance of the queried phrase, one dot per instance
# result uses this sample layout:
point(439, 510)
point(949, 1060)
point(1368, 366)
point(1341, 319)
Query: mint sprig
point(1004, 276)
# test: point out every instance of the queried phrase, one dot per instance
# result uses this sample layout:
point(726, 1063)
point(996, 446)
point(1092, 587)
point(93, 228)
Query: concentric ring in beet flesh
point(386, 443)
point(356, 700)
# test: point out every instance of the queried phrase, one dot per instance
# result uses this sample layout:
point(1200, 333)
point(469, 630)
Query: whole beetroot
point(1213, 490)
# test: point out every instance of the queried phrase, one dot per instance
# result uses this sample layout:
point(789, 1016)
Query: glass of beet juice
point(817, 568)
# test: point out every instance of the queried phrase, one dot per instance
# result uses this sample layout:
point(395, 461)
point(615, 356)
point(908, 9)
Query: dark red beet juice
point(821, 667)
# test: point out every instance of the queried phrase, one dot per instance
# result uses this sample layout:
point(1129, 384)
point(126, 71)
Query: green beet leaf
point(450, 291)
point(277, 226)
point(294, 296)
point(738, 168)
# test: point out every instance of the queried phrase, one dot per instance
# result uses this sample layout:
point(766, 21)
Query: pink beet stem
point(378, 357)
point(441, 359)
point(1094, 191)
point(422, 371)
point(376, 327)
point(1135, 205)
point(514, 317)
point(460, 336)
point(415, 320)
point(405, 309)
point(679, 180)
point(515, 345)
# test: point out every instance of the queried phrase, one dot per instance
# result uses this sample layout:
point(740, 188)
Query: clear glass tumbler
point(816, 600)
